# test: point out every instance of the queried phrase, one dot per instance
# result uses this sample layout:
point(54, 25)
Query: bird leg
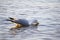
point(18, 26)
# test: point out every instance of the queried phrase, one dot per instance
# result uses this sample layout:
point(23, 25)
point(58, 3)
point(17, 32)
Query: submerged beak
point(35, 23)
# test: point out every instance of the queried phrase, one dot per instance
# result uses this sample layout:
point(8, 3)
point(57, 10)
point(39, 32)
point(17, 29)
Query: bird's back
point(24, 22)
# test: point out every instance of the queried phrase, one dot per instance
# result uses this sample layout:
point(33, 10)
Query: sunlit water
point(47, 12)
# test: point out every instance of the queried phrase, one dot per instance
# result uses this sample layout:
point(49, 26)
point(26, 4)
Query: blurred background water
point(47, 12)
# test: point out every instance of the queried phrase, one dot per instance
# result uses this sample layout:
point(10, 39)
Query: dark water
point(47, 12)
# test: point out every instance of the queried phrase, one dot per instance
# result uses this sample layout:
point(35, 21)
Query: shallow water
point(47, 12)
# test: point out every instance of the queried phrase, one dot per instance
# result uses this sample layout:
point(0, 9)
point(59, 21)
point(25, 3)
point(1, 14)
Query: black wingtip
point(11, 18)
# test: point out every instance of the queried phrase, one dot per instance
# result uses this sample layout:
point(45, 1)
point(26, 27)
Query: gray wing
point(22, 21)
